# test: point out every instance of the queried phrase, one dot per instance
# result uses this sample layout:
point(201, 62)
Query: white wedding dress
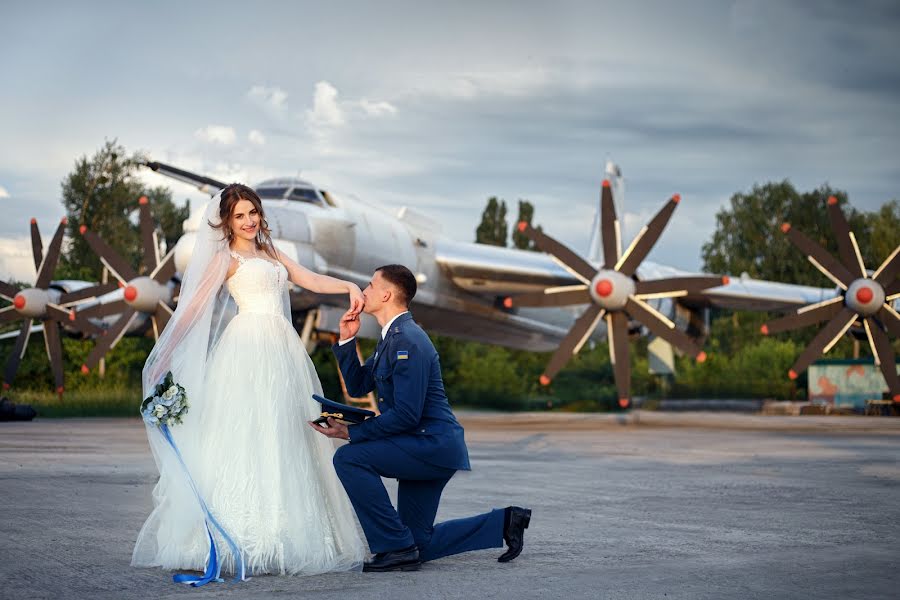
point(266, 476)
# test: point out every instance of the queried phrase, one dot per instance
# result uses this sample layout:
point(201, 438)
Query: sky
point(438, 105)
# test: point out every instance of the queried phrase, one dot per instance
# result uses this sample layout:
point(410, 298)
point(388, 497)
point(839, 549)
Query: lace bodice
point(258, 285)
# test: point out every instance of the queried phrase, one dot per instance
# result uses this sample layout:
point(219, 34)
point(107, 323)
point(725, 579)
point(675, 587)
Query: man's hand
point(349, 326)
point(334, 429)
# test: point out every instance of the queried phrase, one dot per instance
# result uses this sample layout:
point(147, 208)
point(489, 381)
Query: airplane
point(494, 294)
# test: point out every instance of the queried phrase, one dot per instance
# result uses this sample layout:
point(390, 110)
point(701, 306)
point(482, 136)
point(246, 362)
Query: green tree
point(102, 193)
point(519, 239)
point(748, 236)
point(493, 229)
point(884, 227)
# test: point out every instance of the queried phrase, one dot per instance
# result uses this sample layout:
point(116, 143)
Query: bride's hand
point(357, 301)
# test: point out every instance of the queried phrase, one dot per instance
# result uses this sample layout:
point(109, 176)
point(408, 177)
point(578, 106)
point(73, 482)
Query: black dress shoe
point(399, 560)
point(517, 520)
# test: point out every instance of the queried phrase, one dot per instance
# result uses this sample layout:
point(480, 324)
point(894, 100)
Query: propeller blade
point(109, 339)
point(70, 317)
point(663, 327)
point(824, 340)
point(574, 340)
point(165, 270)
point(820, 258)
point(8, 291)
point(48, 265)
point(204, 184)
point(54, 352)
point(893, 289)
point(115, 263)
point(889, 269)
point(808, 315)
point(565, 296)
point(103, 310)
point(617, 334)
point(848, 250)
point(12, 363)
point(574, 263)
point(161, 318)
point(885, 355)
point(890, 319)
point(148, 235)
point(9, 314)
point(88, 292)
point(37, 245)
point(676, 286)
point(645, 240)
point(609, 227)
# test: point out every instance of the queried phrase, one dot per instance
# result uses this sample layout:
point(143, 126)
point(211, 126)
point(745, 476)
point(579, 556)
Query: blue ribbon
point(213, 567)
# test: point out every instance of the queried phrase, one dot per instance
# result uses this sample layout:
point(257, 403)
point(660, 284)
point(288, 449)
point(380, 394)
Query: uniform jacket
point(405, 373)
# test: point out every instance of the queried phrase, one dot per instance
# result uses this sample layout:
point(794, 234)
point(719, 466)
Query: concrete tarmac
point(648, 505)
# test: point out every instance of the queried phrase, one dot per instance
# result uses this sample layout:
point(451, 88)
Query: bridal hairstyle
point(231, 195)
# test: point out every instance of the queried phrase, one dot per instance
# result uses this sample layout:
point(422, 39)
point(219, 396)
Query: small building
point(845, 382)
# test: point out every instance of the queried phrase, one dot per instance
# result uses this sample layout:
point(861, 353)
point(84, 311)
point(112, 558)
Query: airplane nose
point(604, 288)
point(130, 293)
point(19, 301)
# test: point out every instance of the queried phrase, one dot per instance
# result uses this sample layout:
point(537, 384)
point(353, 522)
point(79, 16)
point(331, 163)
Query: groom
point(416, 439)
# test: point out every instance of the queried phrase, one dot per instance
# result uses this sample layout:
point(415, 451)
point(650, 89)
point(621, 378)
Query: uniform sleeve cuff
point(347, 341)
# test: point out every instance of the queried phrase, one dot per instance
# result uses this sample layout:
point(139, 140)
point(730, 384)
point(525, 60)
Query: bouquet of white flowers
point(167, 404)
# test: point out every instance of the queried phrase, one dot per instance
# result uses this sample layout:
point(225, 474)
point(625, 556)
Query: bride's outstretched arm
point(322, 284)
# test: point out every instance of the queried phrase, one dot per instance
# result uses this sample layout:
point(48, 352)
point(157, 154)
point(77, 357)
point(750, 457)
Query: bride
point(266, 477)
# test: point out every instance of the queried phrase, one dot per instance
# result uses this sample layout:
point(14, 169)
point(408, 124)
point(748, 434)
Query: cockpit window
point(272, 192)
point(304, 195)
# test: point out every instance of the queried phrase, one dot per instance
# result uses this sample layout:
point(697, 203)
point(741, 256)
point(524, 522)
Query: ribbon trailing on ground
point(213, 565)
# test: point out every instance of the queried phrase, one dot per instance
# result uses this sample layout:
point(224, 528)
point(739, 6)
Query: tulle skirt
point(266, 476)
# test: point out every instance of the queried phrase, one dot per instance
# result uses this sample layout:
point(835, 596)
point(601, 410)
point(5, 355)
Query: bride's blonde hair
point(231, 195)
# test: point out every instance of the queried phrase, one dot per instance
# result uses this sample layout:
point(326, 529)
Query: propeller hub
point(865, 296)
point(610, 289)
point(32, 302)
point(143, 294)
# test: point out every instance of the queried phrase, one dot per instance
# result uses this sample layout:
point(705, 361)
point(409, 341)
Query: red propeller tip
point(19, 301)
point(764, 329)
point(85, 370)
point(896, 398)
point(792, 374)
point(544, 380)
point(64, 220)
point(785, 227)
point(624, 402)
point(606, 183)
point(726, 279)
point(604, 288)
point(130, 293)
point(59, 390)
point(522, 225)
point(832, 200)
point(5, 386)
point(701, 357)
point(676, 198)
point(143, 200)
point(33, 221)
point(864, 295)
point(82, 229)
point(507, 302)
point(71, 315)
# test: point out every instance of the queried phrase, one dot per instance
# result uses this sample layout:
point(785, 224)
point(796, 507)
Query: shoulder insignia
point(402, 354)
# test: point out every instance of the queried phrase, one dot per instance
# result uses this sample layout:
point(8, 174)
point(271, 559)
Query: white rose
point(170, 393)
point(159, 411)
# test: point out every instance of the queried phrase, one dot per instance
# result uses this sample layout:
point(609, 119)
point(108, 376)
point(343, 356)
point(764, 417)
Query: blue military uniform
point(417, 440)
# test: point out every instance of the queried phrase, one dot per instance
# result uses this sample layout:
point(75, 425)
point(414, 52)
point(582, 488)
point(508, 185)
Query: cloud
point(377, 109)
point(217, 134)
point(273, 99)
point(256, 137)
point(16, 261)
point(325, 111)
point(3, 192)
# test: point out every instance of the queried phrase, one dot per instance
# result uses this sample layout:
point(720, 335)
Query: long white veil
point(184, 348)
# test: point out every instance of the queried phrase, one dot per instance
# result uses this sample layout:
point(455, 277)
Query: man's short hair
point(403, 279)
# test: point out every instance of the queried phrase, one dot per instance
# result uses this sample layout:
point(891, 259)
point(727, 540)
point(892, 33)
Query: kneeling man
point(416, 439)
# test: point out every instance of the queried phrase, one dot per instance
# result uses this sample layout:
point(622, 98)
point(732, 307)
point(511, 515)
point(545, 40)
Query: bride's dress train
point(266, 476)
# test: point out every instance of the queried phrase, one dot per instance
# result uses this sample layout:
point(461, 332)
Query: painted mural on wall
point(845, 382)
